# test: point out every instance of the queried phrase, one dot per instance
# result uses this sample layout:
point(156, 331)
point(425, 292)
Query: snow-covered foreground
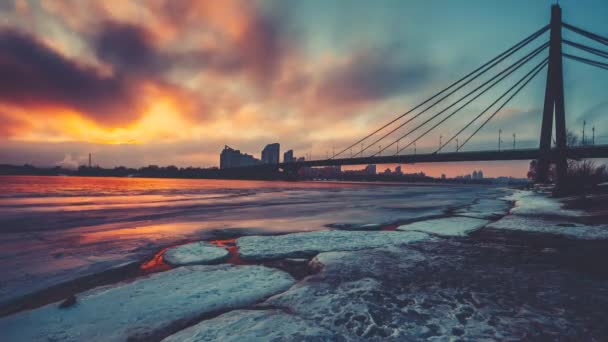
point(449, 226)
point(309, 244)
point(446, 290)
point(195, 253)
point(149, 307)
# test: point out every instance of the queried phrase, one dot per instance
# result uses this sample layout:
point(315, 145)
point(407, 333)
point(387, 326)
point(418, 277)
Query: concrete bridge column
point(554, 105)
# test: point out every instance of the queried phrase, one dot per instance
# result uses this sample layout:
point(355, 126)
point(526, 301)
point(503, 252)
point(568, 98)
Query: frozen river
point(54, 229)
point(115, 259)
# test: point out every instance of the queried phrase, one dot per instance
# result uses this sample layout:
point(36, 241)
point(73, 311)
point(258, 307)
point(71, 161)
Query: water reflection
point(58, 228)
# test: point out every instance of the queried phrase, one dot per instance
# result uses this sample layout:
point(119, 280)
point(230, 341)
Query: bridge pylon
point(554, 106)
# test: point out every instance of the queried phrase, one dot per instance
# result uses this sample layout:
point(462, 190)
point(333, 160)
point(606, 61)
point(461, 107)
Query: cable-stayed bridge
point(425, 118)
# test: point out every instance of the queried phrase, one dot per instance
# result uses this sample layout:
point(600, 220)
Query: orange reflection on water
point(106, 186)
point(390, 227)
point(156, 264)
point(233, 249)
point(114, 232)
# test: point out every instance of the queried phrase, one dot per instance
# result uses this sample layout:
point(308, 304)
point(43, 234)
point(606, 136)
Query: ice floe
point(350, 295)
point(557, 227)
point(195, 253)
point(449, 226)
point(533, 203)
point(485, 209)
point(299, 245)
point(254, 325)
point(147, 308)
point(353, 226)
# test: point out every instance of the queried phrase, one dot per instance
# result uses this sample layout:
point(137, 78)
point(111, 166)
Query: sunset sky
point(171, 82)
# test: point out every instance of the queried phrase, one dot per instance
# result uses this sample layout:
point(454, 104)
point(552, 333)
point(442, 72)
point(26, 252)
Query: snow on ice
point(443, 290)
point(539, 213)
point(449, 226)
point(557, 227)
point(195, 253)
point(532, 203)
point(147, 307)
point(485, 209)
point(299, 245)
point(254, 325)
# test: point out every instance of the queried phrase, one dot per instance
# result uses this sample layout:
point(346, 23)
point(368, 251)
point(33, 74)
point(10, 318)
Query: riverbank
point(472, 273)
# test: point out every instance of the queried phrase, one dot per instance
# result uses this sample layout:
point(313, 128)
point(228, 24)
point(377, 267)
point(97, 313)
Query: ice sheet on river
point(254, 325)
point(536, 204)
point(195, 253)
point(539, 213)
point(551, 226)
point(449, 226)
point(147, 307)
point(485, 209)
point(308, 244)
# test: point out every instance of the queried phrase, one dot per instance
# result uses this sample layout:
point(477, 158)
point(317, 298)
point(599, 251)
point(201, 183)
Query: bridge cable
point(510, 69)
point(503, 105)
point(587, 34)
point(541, 65)
point(527, 57)
point(499, 58)
point(587, 61)
point(586, 48)
point(477, 96)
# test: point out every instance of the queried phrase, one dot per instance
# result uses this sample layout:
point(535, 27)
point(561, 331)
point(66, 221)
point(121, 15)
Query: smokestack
point(89, 160)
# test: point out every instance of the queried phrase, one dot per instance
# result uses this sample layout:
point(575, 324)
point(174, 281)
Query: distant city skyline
point(171, 83)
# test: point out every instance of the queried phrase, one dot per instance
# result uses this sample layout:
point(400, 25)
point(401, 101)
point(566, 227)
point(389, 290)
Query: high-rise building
point(398, 171)
point(230, 157)
point(370, 169)
point(270, 154)
point(477, 175)
point(288, 157)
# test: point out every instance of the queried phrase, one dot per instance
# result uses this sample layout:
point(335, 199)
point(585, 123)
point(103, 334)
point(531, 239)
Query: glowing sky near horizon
point(172, 81)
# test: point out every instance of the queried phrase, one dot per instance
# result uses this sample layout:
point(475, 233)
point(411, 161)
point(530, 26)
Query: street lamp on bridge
point(499, 139)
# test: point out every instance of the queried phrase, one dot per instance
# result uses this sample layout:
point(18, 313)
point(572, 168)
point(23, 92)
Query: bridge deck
point(595, 151)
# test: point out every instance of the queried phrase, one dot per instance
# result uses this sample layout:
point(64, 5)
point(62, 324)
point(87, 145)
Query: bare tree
point(571, 139)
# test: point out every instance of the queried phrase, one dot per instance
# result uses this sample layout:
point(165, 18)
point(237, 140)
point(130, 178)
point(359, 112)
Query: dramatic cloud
point(128, 48)
point(35, 76)
point(234, 35)
point(372, 75)
point(9, 125)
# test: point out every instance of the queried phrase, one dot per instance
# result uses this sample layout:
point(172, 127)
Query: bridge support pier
point(554, 105)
